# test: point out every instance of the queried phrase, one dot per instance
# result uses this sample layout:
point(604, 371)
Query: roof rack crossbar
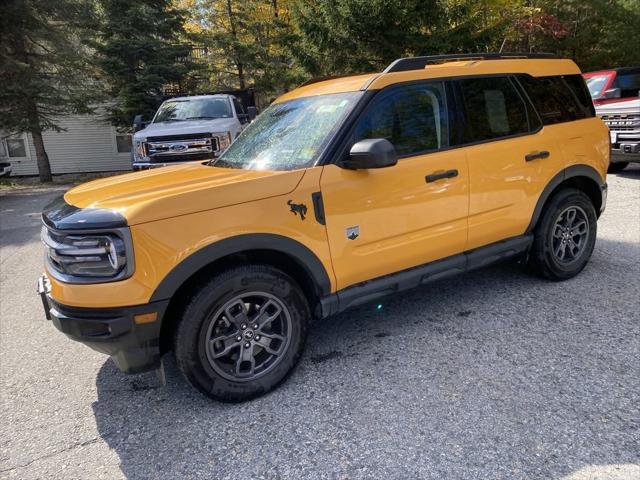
point(419, 63)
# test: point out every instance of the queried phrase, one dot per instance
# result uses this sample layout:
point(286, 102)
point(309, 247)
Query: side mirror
point(371, 153)
point(612, 93)
point(252, 112)
point(139, 123)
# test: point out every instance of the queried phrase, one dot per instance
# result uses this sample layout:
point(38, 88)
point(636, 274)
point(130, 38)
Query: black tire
point(552, 230)
point(617, 167)
point(233, 295)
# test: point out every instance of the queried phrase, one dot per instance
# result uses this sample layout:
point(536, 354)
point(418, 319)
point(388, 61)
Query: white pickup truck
point(189, 128)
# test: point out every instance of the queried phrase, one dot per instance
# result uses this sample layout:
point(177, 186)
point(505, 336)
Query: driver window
point(412, 117)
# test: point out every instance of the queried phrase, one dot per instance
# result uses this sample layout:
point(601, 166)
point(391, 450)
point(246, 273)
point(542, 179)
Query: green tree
point(140, 48)
point(248, 41)
point(44, 73)
point(342, 36)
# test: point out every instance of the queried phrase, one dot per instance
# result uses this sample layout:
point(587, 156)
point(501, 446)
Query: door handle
point(536, 155)
point(440, 175)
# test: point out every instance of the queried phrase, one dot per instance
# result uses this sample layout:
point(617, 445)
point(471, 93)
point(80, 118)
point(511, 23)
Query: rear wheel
point(617, 167)
point(565, 235)
point(242, 333)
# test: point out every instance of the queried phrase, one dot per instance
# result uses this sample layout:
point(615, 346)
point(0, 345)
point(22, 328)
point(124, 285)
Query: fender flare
point(569, 172)
point(304, 257)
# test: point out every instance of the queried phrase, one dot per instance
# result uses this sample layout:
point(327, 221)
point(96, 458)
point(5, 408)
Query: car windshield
point(596, 84)
point(289, 135)
point(193, 109)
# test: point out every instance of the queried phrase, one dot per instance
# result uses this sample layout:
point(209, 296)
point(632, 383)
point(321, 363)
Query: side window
point(242, 116)
point(628, 82)
point(560, 98)
point(239, 107)
point(412, 117)
point(493, 109)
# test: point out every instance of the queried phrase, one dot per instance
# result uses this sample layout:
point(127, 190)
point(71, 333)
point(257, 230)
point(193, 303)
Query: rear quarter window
point(493, 109)
point(558, 99)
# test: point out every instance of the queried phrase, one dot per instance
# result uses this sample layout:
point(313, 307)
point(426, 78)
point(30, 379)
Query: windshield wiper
point(201, 118)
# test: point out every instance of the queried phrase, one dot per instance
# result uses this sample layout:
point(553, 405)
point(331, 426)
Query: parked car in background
point(189, 128)
point(616, 96)
point(5, 168)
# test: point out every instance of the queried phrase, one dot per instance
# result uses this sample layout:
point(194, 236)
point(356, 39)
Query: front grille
point(179, 148)
point(622, 122)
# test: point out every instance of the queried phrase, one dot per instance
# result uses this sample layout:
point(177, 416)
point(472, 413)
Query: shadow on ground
point(493, 375)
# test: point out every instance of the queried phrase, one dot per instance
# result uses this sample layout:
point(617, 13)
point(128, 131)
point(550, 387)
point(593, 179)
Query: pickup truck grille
point(622, 122)
point(179, 148)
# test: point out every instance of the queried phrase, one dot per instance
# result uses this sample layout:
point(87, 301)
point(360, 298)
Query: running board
point(406, 279)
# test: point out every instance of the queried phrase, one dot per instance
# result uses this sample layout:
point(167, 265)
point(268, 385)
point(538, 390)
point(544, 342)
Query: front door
point(381, 221)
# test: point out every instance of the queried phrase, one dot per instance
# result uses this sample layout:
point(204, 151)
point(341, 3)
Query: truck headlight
point(224, 140)
point(88, 257)
point(139, 149)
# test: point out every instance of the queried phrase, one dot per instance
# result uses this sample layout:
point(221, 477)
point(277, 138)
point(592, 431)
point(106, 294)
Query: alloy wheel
point(570, 234)
point(248, 336)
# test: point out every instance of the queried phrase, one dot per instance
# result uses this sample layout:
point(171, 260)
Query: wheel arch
point(277, 251)
point(582, 177)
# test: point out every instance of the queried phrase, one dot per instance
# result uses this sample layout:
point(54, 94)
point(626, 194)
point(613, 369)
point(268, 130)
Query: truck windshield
point(193, 109)
point(289, 135)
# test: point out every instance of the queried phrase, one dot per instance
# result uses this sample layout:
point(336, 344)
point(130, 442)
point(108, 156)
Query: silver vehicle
point(616, 96)
point(189, 128)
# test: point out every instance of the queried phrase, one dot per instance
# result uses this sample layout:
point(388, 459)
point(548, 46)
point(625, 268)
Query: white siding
point(88, 144)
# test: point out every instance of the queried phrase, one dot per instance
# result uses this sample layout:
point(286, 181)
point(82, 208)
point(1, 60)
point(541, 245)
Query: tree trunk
point(44, 168)
point(234, 34)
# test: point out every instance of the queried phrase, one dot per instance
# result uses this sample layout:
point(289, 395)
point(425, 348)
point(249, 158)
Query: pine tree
point(139, 50)
point(44, 72)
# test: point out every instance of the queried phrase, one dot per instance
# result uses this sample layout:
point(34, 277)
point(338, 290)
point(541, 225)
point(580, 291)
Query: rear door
point(381, 221)
point(510, 157)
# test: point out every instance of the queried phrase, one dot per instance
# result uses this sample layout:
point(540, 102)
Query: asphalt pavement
point(494, 375)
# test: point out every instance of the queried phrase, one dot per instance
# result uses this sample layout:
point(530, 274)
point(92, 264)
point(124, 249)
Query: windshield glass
point(596, 84)
point(289, 135)
point(193, 109)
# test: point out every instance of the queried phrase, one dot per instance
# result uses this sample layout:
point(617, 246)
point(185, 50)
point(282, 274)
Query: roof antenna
point(503, 43)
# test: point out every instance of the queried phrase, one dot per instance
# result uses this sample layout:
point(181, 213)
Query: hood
point(179, 190)
point(186, 127)
point(625, 106)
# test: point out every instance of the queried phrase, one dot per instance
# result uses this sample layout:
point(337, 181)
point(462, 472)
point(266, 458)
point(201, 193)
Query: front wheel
point(242, 333)
point(565, 235)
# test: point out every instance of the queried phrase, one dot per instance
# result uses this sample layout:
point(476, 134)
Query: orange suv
point(342, 191)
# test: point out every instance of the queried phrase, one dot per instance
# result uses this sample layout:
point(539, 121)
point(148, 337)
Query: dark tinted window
point(560, 98)
point(238, 106)
point(493, 109)
point(628, 81)
point(413, 118)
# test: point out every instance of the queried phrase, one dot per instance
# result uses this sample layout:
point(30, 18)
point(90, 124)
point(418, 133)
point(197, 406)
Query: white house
point(88, 144)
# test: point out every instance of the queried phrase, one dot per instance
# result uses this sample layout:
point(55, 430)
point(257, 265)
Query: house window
point(16, 147)
point(123, 143)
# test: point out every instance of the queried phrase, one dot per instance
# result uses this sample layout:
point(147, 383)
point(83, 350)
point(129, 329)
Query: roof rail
point(418, 63)
point(322, 79)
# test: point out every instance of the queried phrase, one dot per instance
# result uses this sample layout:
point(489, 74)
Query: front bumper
point(625, 152)
point(126, 334)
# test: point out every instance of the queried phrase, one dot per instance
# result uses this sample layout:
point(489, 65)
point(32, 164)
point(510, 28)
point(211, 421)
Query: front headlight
point(88, 257)
point(139, 149)
point(224, 140)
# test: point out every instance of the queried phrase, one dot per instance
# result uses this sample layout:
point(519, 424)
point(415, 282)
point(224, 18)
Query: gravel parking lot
point(496, 375)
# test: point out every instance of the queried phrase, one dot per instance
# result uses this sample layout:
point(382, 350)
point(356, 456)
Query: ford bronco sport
point(342, 191)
